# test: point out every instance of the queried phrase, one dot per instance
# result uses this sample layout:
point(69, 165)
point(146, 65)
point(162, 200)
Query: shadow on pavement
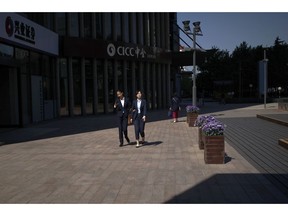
point(81, 124)
point(233, 188)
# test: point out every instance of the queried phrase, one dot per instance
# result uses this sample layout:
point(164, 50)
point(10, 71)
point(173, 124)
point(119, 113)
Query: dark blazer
point(175, 104)
point(120, 110)
point(143, 108)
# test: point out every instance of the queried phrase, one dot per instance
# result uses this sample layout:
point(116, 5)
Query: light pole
point(196, 31)
point(279, 90)
point(265, 61)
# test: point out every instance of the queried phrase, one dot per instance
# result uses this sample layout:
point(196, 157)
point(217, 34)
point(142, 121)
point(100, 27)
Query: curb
point(277, 121)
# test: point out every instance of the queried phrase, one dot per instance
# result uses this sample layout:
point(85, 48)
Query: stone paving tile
point(89, 167)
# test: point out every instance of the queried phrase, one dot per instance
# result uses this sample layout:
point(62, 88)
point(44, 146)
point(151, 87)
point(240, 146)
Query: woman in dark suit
point(122, 106)
point(139, 109)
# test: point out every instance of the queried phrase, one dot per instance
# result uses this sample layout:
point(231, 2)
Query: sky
point(226, 30)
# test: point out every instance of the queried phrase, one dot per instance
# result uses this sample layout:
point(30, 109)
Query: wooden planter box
point(214, 149)
point(191, 118)
point(200, 139)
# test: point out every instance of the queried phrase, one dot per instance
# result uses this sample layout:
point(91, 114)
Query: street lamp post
point(279, 90)
point(196, 31)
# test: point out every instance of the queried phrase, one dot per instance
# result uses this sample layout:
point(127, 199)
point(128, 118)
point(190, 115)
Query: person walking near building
point(122, 106)
point(175, 107)
point(139, 109)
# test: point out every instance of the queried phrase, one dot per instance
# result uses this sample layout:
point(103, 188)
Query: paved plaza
point(78, 160)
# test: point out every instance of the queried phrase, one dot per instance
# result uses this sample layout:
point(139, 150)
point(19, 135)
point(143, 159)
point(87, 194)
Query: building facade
point(96, 54)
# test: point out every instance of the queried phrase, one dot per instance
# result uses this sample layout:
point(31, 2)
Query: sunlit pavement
point(74, 161)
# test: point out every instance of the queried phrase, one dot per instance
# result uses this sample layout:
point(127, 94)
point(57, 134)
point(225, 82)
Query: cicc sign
point(127, 51)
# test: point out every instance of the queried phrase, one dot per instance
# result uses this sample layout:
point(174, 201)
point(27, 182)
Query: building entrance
point(9, 99)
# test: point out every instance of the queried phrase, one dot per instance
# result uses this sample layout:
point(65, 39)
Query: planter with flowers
point(200, 122)
point(192, 114)
point(214, 149)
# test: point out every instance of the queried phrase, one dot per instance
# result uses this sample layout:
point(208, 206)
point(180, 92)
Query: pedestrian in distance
point(175, 107)
point(122, 107)
point(139, 109)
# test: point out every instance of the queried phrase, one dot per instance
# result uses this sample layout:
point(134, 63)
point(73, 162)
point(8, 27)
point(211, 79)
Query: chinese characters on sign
point(20, 30)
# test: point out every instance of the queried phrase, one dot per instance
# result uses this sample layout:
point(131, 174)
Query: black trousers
point(139, 126)
point(122, 125)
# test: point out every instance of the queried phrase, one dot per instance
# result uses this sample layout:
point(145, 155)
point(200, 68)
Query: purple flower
point(193, 109)
point(202, 120)
point(213, 128)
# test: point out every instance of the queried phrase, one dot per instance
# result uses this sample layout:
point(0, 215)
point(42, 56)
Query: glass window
point(111, 90)
point(108, 26)
point(74, 25)
point(140, 28)
point(87, 25)
point(100, 84)
point(129, 81)
point(89, 86)
point(35, 63)
point(133, 29)
point(61, 23)
point(125, 28)
point(64, 111)
point(120, 75)
point(77, 90)
point(118, 26)
point(7, 51)
point(99, 27)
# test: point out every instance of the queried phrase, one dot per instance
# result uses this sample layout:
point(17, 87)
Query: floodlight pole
point(194, 88)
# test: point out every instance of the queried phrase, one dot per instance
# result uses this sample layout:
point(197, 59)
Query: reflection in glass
point(108, 26)
point(6, 50)
point(87, 25)
point(118, 26)
point(74, 25)
point(61, 23)
point(99, 27)
point(89, 86)
point(125, 32)
point(64, 111)
point(77, 86)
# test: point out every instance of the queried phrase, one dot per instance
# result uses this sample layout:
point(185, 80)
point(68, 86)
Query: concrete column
point(68, 21)
point(133, 79)
point(70, 88)
point(167, 31)
point(164, 86)
point(95, 87)
point(162, 32)
point(106, 90)
point(148, 90)
point(159, 85)
point(169, 91)
point(154, 90)
point(83, 87)
point(115, 72)
point(58, 102)
point(125, 89)
point(81, 25)
point(141, 76)
point(146, 32)
point(158, 29)
point(152, 29)
point(93, 25)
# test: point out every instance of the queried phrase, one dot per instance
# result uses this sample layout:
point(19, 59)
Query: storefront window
point(6, 51)
point(74, 25)
point(87, 25)
point(100, 84)
point(35, 63)
point(111, 90)
point(77, 90)
point(64, 111)
point(61, 23)
point(89, 86)
point(120, 75)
